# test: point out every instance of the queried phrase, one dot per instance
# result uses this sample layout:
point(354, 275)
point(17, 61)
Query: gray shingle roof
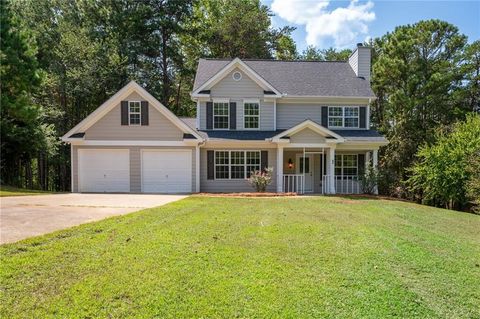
point(349, 135)
point(302, 78)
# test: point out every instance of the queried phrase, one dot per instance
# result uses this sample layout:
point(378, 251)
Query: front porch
point(322, 170)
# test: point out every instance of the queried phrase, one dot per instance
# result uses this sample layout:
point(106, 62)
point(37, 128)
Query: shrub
point(473, 184)
point(261, 179)
point(442, 174)
point(369, 180)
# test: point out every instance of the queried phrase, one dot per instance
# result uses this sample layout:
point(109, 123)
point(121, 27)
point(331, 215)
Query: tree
point(442, 174)
point(416, 74)
point(22, 132)
point(311, 53)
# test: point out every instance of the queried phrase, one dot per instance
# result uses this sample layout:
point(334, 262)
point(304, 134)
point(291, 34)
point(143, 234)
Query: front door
point(308, 170)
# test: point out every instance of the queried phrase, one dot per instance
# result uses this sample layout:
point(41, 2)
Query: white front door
point(104, 170)
point(166, 171)
point(308, 170)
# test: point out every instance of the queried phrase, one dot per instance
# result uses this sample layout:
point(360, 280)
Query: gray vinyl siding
point(234, 185)
point(360, 62)
point(307, 136)
point(135, 164)
point(109, 126)
point(289, 115)
point(238, 91)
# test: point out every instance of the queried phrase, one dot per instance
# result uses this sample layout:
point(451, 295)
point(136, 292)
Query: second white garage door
point(166, 171)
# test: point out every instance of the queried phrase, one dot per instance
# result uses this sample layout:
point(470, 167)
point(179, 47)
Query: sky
point(342, 24)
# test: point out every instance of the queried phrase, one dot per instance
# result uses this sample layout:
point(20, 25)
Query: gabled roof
point(314, 127)
point(225, 69)
point(115, 100)
point(296, 78)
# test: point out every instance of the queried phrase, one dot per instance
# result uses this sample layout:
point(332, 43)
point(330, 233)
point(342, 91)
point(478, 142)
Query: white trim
point(220, 100)
point(197, 169)
point(307, 145)
point(108, 105)
point(198, 115)
point(313, 126)
point(71, 168)
point(287, 96)
point(230, 67)
point(139, 113)
point(233, 76)
point(134, 143)
point(251, 101)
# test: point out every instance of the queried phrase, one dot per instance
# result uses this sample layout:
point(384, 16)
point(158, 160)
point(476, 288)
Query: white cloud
point(343, 25)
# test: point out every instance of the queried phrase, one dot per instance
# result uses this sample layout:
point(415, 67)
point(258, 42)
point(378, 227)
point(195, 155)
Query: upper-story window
point(220, 115)
point(251, 115)
point(343, 116)
point(134, 113)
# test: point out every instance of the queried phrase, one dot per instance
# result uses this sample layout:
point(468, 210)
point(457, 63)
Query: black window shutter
point(325, 116)
point(144, 112)
point(210, 164)
point(264, 160)
point(363, 117)
point(209, 115)
point(233, 115)
point(124, 112)
point(361, 164)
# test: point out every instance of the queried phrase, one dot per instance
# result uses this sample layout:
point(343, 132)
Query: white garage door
point(166, 171)
point(102, 170)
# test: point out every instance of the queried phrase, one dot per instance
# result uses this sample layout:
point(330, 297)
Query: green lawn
point(323, 257)
point(14, 191)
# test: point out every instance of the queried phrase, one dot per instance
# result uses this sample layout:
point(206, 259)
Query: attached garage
point(104, 170)
point(166, 171)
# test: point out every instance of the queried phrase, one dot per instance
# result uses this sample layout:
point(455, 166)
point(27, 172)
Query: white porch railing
point(293, 183)
point(344, 184)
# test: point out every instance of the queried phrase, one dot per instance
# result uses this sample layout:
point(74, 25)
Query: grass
point(6, 191)
point(313, 257)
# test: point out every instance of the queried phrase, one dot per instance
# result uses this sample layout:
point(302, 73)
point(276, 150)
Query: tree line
point(60, 59)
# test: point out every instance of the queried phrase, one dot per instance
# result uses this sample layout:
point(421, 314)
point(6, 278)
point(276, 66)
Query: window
point(222, 166)
point(134, 113)
point(346, 165)
point(251, 113)
point(220, 115)
point(343, 116)
point(236, 164)
point(253, 162)
point(307, 165)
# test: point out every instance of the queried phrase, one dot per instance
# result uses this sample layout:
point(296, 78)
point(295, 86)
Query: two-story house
point(307, 120)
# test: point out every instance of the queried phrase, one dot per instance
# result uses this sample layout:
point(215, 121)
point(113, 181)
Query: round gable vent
point(237, 76)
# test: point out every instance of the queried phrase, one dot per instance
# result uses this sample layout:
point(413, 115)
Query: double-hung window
point(220, 115)
point(346, 165)
point(251, 115)
point(236, 164)
point(343, 116)
point(134, 113)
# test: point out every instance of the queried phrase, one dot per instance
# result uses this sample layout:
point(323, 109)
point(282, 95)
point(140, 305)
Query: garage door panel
point(166, 171)
point(103, 170)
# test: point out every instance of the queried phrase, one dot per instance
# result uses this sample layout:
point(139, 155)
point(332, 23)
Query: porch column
point(331, 170)
point(367, 159)
point(375, 166)
point(279, 169)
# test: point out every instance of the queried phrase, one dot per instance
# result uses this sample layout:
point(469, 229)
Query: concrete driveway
point(26, 216)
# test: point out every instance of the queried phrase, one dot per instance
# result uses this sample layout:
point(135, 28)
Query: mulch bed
point(246, 194)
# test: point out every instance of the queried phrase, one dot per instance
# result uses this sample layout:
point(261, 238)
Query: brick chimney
point(360, 61)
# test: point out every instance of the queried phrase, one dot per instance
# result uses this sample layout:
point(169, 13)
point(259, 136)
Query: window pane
point(135, 119)
point(350, 161)
point(335, 111)
point(237, 158)
point(220, 115)
point(251, 122)
point(253, 162)
point(251, 115)
point(238, 171)
point(221, 157)
point(134, 106)
point(350, 171)
point(221, 165)
point(351, 111)
point(221, 172)
point(307, 165)
point(335, 121)
point(251, 109)
point(351, 122)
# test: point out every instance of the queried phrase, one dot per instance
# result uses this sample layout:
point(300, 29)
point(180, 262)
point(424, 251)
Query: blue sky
point(342, 24)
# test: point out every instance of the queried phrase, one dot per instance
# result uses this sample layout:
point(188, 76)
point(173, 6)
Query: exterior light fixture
point(290, 163)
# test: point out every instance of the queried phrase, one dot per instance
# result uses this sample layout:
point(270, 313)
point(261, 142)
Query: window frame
point(134, 113)
point(343, 117)
point(342, 166)
point(223, 101)
point(251, 116)
point(245, 165)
